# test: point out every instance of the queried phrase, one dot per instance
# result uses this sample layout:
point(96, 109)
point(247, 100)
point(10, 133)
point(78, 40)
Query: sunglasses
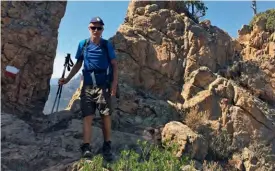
point(96, 28)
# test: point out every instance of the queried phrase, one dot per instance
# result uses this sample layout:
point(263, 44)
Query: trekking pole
point(68, 63)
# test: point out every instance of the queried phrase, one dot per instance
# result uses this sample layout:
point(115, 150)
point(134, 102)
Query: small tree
point(254, 7)
point(196, 8)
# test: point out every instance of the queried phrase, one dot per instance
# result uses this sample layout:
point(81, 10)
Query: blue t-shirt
point(95, 55)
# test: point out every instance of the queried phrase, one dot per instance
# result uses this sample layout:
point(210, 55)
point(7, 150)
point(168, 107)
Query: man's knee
point(88, 118)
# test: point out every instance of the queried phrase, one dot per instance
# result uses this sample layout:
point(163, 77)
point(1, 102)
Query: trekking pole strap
point(68, 63)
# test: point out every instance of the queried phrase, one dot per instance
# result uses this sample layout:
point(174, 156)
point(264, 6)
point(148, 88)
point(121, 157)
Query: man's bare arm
point(115, 76)
point(75, 69)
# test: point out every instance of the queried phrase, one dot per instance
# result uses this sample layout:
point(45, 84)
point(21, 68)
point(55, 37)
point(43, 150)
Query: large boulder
point(186, 140)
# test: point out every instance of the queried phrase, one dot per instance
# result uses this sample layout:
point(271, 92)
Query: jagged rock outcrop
point(29, 41)
point(158, 47)
point(153, 48)
point(255, 75)
point(256, 41)
point(244, 117)
point(240, 104)
point(255, 71)
point(74, 103)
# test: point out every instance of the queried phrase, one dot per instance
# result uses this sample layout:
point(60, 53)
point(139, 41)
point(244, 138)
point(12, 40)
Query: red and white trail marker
point(11, 71)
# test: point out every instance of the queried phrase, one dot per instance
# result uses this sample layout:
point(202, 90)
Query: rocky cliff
point(29, 41)
point(159, 47)
point(180, 81)
point(257, 68)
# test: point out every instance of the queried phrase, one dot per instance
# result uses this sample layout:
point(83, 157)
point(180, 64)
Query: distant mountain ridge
point(67, 92)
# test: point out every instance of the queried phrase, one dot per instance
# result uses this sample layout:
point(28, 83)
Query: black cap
point(97, 20)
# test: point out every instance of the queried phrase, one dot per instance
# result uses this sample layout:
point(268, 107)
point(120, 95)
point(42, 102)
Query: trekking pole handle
point(67, 58)
point(66, 63)
point(69, 61)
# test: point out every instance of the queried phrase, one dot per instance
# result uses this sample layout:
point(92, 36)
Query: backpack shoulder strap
point(105, 46)
point(84, 47)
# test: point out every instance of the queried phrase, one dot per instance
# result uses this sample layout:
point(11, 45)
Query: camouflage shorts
point(93, 98)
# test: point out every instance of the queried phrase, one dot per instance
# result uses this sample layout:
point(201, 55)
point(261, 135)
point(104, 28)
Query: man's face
point(95, 29)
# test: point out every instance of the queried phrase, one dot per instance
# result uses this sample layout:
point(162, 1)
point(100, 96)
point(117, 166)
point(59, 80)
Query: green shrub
point(269, 16)
point(88, 165)
point(220, 147)
point(151, 158)
point(212, 166)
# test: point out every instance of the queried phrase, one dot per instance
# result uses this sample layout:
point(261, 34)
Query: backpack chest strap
point(92, 73)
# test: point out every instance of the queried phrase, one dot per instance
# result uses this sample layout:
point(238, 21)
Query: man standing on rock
point(100, 78)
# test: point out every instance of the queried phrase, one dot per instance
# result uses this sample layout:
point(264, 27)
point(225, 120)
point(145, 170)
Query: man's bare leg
point(106, 127)
point(87, 135)
point(107, 154)
point(87, 129)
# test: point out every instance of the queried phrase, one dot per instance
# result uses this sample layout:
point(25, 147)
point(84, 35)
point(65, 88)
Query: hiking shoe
point(86, 150)
point(106, 150)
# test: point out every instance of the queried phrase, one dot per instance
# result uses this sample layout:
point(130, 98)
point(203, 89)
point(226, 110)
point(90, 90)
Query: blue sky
point(229, 16)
